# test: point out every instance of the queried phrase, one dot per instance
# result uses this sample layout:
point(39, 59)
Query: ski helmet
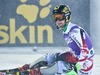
point(61, 12)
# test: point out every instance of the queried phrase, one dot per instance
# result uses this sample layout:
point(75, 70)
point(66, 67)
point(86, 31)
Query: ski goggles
point(58, 17)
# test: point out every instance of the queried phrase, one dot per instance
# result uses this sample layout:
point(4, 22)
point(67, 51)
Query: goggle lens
point(58, 17)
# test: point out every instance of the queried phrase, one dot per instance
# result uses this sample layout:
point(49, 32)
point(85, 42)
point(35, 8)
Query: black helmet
point(62, 9)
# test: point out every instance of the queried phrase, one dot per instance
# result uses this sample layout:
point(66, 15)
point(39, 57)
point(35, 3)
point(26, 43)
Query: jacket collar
point(70, 25)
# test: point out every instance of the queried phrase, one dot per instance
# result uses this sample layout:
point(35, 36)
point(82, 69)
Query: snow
point(9, 60)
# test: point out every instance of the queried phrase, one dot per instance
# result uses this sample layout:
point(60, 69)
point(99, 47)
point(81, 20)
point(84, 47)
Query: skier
point(80, 46)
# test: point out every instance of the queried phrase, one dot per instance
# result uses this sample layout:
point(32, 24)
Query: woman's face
point(60, 23)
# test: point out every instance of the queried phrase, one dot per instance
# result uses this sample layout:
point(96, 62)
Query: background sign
point(29, 22)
